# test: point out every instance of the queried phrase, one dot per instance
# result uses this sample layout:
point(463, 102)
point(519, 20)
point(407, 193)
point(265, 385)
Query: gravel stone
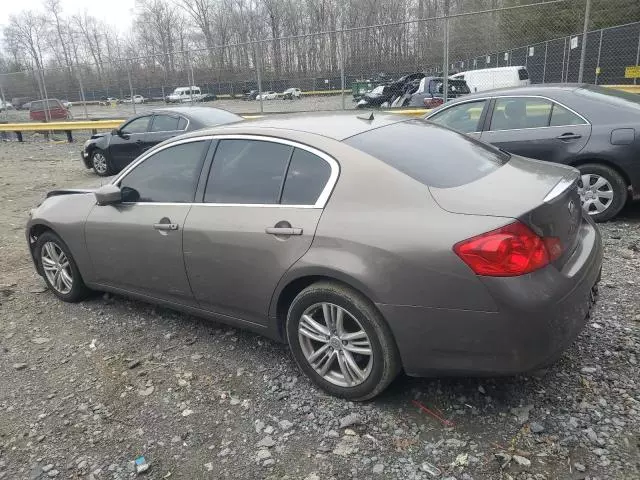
point(536, 427)
point(350, 420)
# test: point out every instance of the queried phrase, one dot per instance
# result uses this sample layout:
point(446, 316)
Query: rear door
point(536, 127)
point(259, 214)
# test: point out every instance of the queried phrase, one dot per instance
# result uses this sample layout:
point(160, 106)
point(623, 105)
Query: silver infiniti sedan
point(370, 245)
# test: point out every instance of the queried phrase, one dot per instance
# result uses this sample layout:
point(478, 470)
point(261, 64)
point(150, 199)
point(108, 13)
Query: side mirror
point(108, 195)
point(115, 132)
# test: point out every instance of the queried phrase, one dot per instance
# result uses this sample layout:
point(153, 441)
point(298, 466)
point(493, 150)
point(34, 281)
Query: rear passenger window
point(306, 178)
point(512, 113)
point(523, 74)
point(164, 123)
point(247, 172)
point(561, 116)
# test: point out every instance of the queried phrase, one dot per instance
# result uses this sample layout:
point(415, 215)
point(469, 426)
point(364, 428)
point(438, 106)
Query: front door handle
point(165, 227)
point(283, 231)
point(569, 136)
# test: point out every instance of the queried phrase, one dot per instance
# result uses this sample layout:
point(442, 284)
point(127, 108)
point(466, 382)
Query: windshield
point(453, 159)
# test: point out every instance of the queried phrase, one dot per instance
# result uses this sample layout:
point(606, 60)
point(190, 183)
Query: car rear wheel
point(341, 342)
point(59, 268)
point(101, 164)
point(603, 191)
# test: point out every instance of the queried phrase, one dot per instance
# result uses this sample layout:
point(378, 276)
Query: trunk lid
point(542, 195)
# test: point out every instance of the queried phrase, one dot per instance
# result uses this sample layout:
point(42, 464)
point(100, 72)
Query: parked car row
point(288, 94)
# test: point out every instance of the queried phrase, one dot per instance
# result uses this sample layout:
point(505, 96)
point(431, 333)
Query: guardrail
point(67, 127)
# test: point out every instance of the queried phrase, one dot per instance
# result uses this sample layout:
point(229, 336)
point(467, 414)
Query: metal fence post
point(192, 81)
point(82, 96)
point(131, 88)
point(4, 104)
point(564, 56)
point(445, 62)
point(583, 52)
point(544, 65)
point(47, 109)
point(258, 52)
point(599, 51)
point(635, 80)
point(342, 82)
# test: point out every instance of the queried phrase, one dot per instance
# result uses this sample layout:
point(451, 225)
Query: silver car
point(370, 245)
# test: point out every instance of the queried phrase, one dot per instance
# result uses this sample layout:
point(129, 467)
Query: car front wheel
point(603, 191)
point(100, 163)
point(59, 268)
point(341, 342)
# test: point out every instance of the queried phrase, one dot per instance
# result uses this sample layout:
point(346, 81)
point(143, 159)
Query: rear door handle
point(569, 136)
point(165, 226)
point(283, 231)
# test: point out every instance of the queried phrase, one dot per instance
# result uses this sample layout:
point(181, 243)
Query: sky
point(115, 12)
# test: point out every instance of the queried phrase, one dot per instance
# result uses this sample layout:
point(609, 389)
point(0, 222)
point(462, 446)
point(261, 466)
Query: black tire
point(102, 168)
point(618, 186)
point(386, 359)
point(78, 290)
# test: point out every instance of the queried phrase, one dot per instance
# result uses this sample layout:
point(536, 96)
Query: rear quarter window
point(523, 74)
point(430, 154)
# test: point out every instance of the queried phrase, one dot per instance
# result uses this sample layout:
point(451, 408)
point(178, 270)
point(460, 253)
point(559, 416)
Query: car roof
point(546, 89)
point(335, 125)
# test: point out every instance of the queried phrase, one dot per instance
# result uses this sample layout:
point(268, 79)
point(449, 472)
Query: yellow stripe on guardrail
point(61, 126)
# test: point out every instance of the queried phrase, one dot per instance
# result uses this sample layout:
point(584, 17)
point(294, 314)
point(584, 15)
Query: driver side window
point(464, 118)
point(170, 175)
point(137, 125)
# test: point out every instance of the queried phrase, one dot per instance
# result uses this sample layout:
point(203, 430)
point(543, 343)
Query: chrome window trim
point(497, 97)
point(321, 201)
point(586, 122)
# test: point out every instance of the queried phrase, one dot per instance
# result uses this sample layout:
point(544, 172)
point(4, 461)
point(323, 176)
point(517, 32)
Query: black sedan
point(594, 129)
point(108, 153)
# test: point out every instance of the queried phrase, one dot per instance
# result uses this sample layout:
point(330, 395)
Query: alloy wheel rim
point(335, 344)
point(596, 193)
point(99, 162)
point(57, 267)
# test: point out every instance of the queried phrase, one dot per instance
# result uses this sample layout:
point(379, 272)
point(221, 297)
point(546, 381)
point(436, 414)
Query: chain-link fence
point(332, 70)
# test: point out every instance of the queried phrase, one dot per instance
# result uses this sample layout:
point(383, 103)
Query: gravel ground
point(87, 388)
point(306, 104)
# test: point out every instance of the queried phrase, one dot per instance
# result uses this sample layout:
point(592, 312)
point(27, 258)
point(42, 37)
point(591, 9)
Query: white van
point(185, 94)
point(490, 78)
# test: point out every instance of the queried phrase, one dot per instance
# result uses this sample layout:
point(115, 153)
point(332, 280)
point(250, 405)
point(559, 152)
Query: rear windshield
point(454, 86)
point(523, 74)
point(40, 104)
point(213, 116)
point(435, 156)
point(611, 95)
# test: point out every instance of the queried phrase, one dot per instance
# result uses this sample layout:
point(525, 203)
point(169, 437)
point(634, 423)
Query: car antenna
point(366, 116)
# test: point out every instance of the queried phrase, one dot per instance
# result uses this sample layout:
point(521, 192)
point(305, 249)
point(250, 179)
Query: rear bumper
point(539, 315)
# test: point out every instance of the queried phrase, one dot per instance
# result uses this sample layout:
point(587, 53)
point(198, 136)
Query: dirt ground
point(87, 388)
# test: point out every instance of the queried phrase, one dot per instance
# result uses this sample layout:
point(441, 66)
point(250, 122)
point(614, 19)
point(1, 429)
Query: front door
point(538, 128)
point(137, 245)
point(127, 145)
point(261, 207)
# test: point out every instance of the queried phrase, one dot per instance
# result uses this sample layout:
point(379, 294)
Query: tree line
point(174, 42)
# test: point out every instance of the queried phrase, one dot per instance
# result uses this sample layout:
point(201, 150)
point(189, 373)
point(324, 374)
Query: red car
point(50, 109)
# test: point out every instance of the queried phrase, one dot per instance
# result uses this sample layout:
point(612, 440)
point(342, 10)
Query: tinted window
point(514, 113)
point(523, 74)
point(247, 171)
point(171, 175)
point(164, 123)
point(182, 123)
point(138, 125)
point(464, 117)
point(561, 116)
point(37, 105)
point(451, 159)
point(306, 178)
point(457, 87)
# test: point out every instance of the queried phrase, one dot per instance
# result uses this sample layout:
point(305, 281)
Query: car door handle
point(165, 226)
point(283, 231)
point(139, 142)
point(569, 136)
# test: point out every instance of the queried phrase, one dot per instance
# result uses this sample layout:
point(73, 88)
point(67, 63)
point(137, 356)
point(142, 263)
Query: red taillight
point(433, 102)
point(508, 251)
